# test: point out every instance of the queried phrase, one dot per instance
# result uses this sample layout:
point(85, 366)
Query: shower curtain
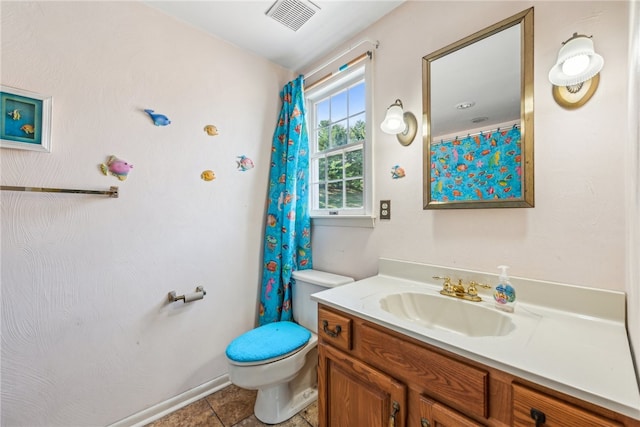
point(287, 245)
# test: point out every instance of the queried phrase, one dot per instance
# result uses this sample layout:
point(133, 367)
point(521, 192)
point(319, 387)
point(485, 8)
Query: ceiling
point(495, 62)
point(245, 24)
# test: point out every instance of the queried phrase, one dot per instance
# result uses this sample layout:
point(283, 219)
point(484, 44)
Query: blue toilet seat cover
point(267, 342)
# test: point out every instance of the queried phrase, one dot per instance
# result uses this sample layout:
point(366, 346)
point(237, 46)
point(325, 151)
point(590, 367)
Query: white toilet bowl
point(280, 359)
point(279, 396)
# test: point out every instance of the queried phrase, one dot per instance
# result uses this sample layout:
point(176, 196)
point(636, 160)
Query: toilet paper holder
point(198, 294)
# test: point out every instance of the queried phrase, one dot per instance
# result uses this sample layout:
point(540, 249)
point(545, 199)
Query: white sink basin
point(446, 313)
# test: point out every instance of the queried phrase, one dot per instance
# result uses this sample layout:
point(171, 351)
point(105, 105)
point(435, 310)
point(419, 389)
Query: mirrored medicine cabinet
point(478, 119)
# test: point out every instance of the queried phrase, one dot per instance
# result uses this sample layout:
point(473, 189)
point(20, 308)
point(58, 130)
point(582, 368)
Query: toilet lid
point(267, 342)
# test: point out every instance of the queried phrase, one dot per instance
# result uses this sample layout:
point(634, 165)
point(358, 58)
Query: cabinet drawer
point(556, 412)
point(459, 385)
point(435, 414)
point(334, 328)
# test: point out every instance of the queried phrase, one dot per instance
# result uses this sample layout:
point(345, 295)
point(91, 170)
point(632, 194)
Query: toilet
point(280, 359)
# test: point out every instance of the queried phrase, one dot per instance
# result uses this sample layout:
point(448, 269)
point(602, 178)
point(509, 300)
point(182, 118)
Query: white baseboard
point(180, 401)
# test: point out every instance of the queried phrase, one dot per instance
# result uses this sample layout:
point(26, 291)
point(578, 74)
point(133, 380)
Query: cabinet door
point(434, 414)
point(532, 408)
point(352, 393)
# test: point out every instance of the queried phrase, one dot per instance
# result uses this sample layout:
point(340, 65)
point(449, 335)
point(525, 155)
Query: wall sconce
point(575, 75)
point(401, 123)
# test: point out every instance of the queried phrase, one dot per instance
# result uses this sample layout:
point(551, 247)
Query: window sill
point(362, 221)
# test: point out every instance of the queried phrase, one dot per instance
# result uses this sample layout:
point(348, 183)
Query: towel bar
point(111, 192)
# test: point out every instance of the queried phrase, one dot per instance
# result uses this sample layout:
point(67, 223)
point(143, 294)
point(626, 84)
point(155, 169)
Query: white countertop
point(568, 338)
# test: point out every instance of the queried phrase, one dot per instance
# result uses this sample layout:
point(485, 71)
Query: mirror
point(477, 99)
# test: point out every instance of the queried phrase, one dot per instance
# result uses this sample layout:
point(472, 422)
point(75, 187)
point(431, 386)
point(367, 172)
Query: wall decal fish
point(158, 119)
point(211, 130)
point(397, 172)
point(116, 167)
point(208, 175)
point(244, 164)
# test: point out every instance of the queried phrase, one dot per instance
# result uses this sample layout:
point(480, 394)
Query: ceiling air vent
point(292, 13)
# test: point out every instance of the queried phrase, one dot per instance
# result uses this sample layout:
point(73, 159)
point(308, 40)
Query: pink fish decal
point(244, 164)
point(116, 167)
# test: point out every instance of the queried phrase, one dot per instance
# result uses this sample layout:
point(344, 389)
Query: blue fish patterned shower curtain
point(287, 245)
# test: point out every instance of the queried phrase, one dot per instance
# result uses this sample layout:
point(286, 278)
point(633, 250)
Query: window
point(340, 145)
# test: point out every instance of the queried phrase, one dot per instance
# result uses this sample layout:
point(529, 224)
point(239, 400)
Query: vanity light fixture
point(401, 123)
point(577, 62)
point(576, 74)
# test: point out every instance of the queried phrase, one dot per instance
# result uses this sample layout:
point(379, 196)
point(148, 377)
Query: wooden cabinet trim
point(459, 385)
point(437, 414)
point(335, 328)
point(557, 413)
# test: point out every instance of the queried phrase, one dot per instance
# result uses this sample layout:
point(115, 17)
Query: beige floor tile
point(252, 421)
point(197, 414)
point(230, 407)
point(232, 404)
point(310, 414)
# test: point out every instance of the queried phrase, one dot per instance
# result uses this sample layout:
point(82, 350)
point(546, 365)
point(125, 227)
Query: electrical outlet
point(385, 209)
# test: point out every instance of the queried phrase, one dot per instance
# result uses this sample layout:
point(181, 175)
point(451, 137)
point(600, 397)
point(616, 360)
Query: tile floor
point(230, 407)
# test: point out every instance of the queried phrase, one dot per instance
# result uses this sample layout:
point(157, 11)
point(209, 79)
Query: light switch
point(385, 209)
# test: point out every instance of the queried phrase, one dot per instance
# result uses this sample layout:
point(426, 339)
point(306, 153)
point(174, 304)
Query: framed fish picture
point(25, 120)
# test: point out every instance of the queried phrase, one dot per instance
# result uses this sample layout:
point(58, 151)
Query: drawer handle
point(424, 422)
point(538, 416)
point(334, 333)
point(392, 418)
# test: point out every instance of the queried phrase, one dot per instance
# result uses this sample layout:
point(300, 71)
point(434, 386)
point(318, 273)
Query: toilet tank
point(307, 282)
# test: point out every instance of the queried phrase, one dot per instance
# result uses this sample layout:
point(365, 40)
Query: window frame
point(346, 79)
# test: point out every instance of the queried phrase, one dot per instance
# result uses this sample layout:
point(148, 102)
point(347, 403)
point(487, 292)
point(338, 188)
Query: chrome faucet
point(458, 290)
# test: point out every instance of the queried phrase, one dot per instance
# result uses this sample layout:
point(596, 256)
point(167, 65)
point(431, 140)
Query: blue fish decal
point(158, 119)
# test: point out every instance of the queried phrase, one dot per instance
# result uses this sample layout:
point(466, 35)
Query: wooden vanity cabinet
point(369, 375)
point(357, 394)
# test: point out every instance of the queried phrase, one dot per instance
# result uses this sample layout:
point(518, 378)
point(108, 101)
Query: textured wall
point(576, 232)
point(87, 337)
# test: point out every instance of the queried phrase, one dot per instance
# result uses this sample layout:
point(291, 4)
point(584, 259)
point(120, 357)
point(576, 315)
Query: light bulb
point(575, 65)
point(393, 122)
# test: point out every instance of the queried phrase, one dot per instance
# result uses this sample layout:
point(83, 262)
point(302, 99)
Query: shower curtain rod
point(453, 138)
point(351, 63)
point(111, 192)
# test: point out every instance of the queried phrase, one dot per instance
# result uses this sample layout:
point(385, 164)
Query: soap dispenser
point(504, 293)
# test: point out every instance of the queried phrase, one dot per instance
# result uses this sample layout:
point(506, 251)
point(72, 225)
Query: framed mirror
point(477, 99)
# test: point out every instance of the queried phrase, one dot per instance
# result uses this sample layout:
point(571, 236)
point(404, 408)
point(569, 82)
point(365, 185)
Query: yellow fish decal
point(211, 130)
point(208, 175)
point(15, 114)
point(28, 129)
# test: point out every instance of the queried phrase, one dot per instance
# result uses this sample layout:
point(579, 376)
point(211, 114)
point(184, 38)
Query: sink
point(449, 314)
